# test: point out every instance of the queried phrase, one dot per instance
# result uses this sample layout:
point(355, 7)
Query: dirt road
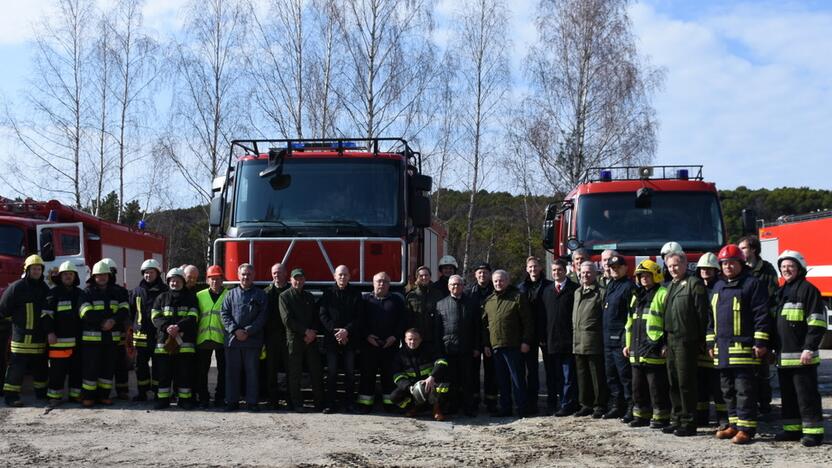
point(132, 434)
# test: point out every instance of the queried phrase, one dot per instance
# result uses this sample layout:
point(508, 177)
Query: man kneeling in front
point(420, 378)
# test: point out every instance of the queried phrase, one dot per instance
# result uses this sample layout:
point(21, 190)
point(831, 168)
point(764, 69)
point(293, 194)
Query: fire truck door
point(60, 242)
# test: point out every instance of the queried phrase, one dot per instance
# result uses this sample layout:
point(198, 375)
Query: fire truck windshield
point(612, 221)
point(11, 240)
point(358, 196)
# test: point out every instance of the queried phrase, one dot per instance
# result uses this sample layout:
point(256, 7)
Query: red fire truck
point(807, 234)
point(315, 204)
point(55, 232)
point(636, 210)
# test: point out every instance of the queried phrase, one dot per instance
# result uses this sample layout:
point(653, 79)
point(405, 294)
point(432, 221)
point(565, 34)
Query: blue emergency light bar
point(324, 145)
point(682, 174)
point(605, 176)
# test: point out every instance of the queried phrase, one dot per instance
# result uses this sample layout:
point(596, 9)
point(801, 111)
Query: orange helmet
point(731, 252)
point(214, 270)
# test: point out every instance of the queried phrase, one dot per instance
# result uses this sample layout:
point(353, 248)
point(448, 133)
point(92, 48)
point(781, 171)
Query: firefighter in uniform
point(800, 329)
point(381, 327)
point(737, 338)
point(420, 377)
point(617, 295)
point(421, 306)
point(103, 314)
point(23, 302)
point(479, 291)
point(707, 378)
point(144, 333)
point(646, 348)
point(62, 324)
point(175, 315)
point(210, 337)
point(685, 319)
point(123, 340)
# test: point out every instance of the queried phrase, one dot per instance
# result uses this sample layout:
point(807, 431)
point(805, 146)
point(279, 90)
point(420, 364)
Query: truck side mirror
point(420, 211)
point(47, 251)
point(548, 234)
point(749, 221)
point(644, 197)
point(420, 183)
point(215, 216)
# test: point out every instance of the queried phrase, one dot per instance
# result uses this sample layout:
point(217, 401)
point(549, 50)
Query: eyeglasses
point(456, 284)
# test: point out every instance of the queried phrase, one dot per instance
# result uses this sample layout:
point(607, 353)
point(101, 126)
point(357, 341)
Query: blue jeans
point(566, 384)
point(510, 368)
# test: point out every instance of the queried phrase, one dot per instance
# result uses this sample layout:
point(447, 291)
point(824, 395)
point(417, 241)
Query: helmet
point(420, 394)
point(649, 266)
point(731, 252)
point(448, 260)
point(67, 266)
point(101, 268)
point(175, 272)
point(151, 263)
point(792, 255)
point(214, 270)
point(110, 263)
point(671, 247)
point(708, 260)
point(33, 260)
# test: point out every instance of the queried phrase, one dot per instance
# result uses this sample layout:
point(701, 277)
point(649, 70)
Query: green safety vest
point(210, 321)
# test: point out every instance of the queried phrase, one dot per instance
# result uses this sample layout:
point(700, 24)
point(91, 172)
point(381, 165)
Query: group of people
point(652, 350)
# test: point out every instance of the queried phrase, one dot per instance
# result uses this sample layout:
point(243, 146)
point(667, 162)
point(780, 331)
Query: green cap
point(297, 272)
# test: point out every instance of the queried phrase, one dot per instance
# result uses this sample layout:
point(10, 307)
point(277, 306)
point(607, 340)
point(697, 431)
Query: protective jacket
point(176, 308)
point(412, 365)
point(141, 303)
point(740, 320)
point(61, 317)
point(23, 302)
point(645, 326)
point(99, 306)
point(210, 331)
point(801, 322)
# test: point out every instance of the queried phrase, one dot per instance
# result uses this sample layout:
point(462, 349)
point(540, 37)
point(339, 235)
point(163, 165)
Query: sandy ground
point(133, 434)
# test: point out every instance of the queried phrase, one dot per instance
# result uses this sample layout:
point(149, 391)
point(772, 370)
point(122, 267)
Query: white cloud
point(745, 94)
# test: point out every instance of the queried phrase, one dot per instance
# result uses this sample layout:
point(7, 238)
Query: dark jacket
point(558, 308)
point(421, 311)
point(341, 308)
point(740, 320)
point(23, 302)
point(645, 326)
point(458, 326)
point(801, 322)
point(533, 292)
point(587, 320)
point(412, 365)
point(246, 310)
point(141, 302)
point(178, 308)
point(274, 331)
point(480, 293)
point(686, 311)
point(507, 320)
point(766, 274)
point(383, 317)
point(99, 306)
point(617, 295)
point(299, 313)
point(61, 315)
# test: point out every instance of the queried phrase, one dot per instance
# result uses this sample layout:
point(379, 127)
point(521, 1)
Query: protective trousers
point(650, 393)
point(801, 404)
point(177, 366)
point(98, 363)
point(376, 361)
point(682, 371)
point(309, 354)
point(144, 379)
point(18, 365)
point(708, 390)
point(59, 370)
point(739, 389)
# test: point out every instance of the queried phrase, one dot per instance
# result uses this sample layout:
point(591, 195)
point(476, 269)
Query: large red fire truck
point(636, 210)
point(59, 233)
point(315, 204)
point(808, 234)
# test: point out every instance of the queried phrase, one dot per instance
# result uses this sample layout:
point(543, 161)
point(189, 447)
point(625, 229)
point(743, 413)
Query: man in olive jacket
point(508, 330)
point(300, 315)
point(588, 344)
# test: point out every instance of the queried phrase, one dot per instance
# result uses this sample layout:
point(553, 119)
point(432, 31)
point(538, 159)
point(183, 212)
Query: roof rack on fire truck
point(340, 146)
point(608, 174)
point(786, 219)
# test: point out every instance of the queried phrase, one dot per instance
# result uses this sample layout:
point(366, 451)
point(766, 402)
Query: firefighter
point(275, 335)
point(645, 347)
point(532, 286)
point(123, 339)
point(175, 314)
point(420, 377)
point(737, 338)
point(23, 302)
point(447, 267)
point(479, 291)
point(617, 297)
point(766, 275)
point(144, 333)
point(685, 319)
point(102, 318)
point(381, 328)
point(421, 305)
point(300, 316)
point(210, 338)
point(800, 328)
point(708, 388)
point(62, 324)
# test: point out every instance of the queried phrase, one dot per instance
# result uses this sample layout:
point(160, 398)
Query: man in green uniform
point(300, 315)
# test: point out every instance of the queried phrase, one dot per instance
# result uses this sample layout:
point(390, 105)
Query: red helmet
point(214, 270)
point(731, 252)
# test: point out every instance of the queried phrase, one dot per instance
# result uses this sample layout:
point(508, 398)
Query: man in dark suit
point(557, 301)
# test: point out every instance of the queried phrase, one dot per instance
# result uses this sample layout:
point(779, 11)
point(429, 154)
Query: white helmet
point(420, 394)
point(151, 263)
point(792, 255)
point(101, 268)
point(708, 260)
point(671, 247)
point(175, 272)
point(110, 263)
point(67, 266)
point(448, 260)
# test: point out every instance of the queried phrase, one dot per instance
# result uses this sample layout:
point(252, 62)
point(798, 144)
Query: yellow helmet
point(67, 266)
point(649, 266)
point(101, 268)
point(33, 260)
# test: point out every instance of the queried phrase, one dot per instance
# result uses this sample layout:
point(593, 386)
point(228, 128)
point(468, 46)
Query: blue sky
point(748, 92)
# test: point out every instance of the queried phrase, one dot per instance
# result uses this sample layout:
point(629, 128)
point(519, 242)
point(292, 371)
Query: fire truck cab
point(316, 204)
point(635, 211)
